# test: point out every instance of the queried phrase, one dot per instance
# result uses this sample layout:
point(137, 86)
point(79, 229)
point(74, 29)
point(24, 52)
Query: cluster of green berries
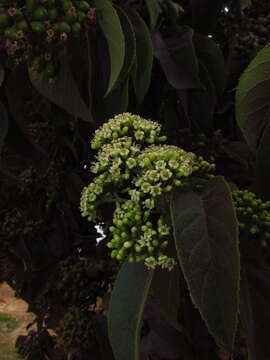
point(135, 173)
point(75, 330)
point(31, 32)
point(253, 214)
point(77, 285)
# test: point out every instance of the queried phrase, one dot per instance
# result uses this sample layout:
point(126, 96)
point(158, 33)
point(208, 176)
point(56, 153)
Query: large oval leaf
point(177, 58)
point(206, 238)
point(64, 92)
point(262, 165)
point(126, 310)
point(142, 68)
point(252, 98)
point(111, 27)
point(154, 10)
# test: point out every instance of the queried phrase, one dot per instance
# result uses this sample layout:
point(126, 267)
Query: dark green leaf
point(154, 11)
point(252, 98)
point(64, 92)
point(3, 125)
point(111, 27)
point(142, 68)
point(254, 309)
point(130, 45)
point(205, 14)
point(206, 237)
point(166, 290)
point(212, 58)
point(262, 165)
point(177, 57)
point(126, 309)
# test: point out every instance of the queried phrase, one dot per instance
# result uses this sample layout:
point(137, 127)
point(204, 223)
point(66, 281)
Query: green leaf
point(154, 11)
point(110, 24)
point(177, 57)
point(64, 92)
point(212, 58)
point(262, 165)
point(142, 69)
point(130, 45)
point(166, 289)
point(252, 98)
point(206, 238)
point(126, 310)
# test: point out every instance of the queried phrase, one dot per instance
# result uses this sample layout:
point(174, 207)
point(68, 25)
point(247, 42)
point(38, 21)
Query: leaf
point(2, 75)
point(142, 69)
point(252, 98)
point(254, 309)
point(205, 14)
point(177, 57)
point(3, 125)
point(262, 165)
point(110, 24)
point(154, 11)
point(130, 46)
point(126, 309)
point(64, 92)
point(212, 58)
point(206, 238)
point(166, 289)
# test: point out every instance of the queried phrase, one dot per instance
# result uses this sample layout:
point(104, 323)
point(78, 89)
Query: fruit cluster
point(135, 173)
point(77, 285)
point(253, 214)
point(31, 32)
point(249, 29)
point(75, 329)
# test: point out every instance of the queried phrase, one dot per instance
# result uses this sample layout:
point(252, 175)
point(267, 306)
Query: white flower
point(165, 174)
point(160, 164)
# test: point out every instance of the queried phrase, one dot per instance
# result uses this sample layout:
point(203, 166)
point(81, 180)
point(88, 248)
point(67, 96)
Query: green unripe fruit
point(27, 57)
point(22, 25)
point(128, 244)
point(49, 70)
point(81, 17)
point(144, 228)
point(64, 28)
point(137, 218)
point(71, 18)
point(126, 221)
point(119, 223)
point(4, 20)
point(83, 6)
point(131, 258)
point(168, 188)
point(112, 229)
point(56, 29)
point(40, 14)
point(162, 138)
point(149, 224)
point(37, 27)
point(155, 243)
point(116, 238)
point(124, 235)
point(133, 230)
point(124, 131)
point(31, 5)
point(67, 5)
point(10, 33)
point(150, 249)
point(114, 253)
point(138, 248)
point(52, 14)
point(110, 245)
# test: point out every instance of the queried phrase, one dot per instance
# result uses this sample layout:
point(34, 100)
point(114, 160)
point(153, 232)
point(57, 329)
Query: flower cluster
point(253, 214)
point(135, 172)
point(33, 31)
